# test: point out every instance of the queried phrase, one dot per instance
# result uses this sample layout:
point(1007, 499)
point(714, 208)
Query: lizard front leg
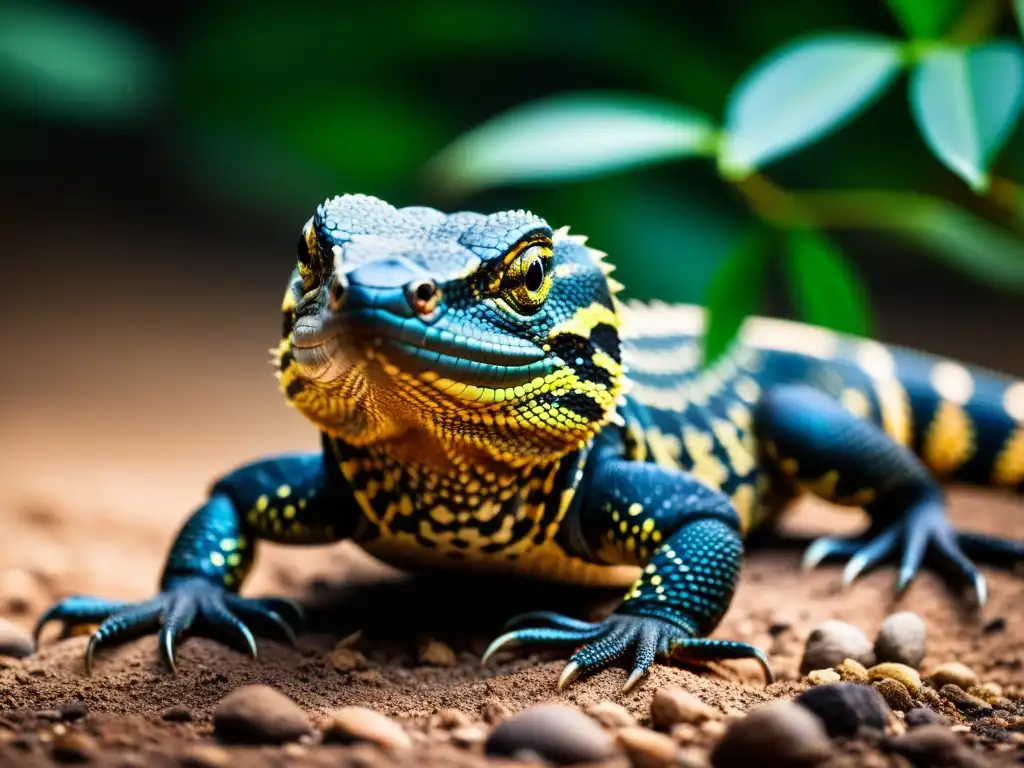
point(685, 535)
point(287, 499)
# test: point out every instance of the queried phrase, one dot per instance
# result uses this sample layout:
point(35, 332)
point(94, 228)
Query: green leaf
point(925, 19)
point(823, 285)
point(965, 102)
point(735, 292)
point(67, 62)
point(991, 255)
point(802, 92)
point(571, 136)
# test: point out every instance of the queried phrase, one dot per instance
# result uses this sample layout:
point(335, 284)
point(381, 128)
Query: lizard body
point(486, 402)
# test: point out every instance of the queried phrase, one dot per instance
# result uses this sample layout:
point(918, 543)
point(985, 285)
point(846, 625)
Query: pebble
point(452, 718)
point(205, 756)
point(647, 748)
point(15, 641)
point(611, 715)
point(895, 694)
point(962, 700)
point(901, 639)
point(853, 671)
point(779, 733)
point(259, 714)
point(928, 745)
point(177, 714)
point(684, 733)
point(73, 711)
point(832, 641)
point(355, 724)
point(846, 708)
point(823, 676)
point(556, 733)
point(74, 747)
point(469, 735)
point(923, 716)
point(437, 654)
point(990, 692)
point(954, 673)
point(347, 659)
point(899, 672)
point(674, 704)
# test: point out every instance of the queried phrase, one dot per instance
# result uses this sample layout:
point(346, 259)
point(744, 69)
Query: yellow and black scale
point(486, 401)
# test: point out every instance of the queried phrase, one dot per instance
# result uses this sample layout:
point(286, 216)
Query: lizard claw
point(221, 614)
point(598, 644)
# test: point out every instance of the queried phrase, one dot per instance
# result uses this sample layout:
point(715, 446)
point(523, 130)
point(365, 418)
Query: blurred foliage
point(650, 129)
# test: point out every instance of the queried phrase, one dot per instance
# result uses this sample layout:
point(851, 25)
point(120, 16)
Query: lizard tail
point(966, 423)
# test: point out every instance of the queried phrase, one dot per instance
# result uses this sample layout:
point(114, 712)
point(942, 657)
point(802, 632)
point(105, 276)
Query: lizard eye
point(527, 279)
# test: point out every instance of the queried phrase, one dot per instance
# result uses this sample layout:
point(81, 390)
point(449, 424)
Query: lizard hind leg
point(827, 450)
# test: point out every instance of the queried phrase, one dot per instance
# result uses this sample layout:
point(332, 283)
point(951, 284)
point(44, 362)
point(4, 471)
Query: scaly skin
point(486, 402)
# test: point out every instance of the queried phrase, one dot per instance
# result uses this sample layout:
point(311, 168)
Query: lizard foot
point(649, 639)
point(220, 614)
point(925, 527)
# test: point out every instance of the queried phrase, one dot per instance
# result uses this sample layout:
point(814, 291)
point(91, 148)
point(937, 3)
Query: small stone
point(953, 673)
point(73, 711)
point(20, 591)
point(832, 641)
point(177, 714)
point(714, 729)
point(990, 692)
point(927, 745)
point(895, 694)
point(647, 748)
point(674, 704)
point(15, 641)
point(845, 709)
point(852, 670)
point(469, 735)
point(347, 659)
point(685, 733)
point(901, 639)
point(962, 700)
point(823, 676)
point(556, 733)
point(259, 714)
point(923, 716)
point(74, 747)
point(437, 654)
point(205, 756)
point(779, 733)
point(899, 672)
point(356, 724)
point(611, 715)
point(452, 718)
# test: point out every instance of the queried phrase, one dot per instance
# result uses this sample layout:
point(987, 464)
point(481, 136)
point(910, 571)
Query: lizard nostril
point(337, 291)
point(423, 295)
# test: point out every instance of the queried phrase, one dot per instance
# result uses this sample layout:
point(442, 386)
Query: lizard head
point(489, 333)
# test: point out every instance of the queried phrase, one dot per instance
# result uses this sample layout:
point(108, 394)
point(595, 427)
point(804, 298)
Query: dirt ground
point(110, 445)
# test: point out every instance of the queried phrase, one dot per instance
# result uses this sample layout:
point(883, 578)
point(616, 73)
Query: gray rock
point(901, 639)
point(779, 733)
point(558, 734)
point(15, 641)
point(919, 716)
point(832, 641)
point(846, 709)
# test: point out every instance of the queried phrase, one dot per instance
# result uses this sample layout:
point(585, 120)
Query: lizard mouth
point(329, 346)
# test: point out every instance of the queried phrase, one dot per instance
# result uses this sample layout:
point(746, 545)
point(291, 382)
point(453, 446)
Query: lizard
point(485, 399)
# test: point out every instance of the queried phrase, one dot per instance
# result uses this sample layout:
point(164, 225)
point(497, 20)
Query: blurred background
point(158, 161)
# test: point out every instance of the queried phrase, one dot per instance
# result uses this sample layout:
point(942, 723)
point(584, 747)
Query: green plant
point(965, 93)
